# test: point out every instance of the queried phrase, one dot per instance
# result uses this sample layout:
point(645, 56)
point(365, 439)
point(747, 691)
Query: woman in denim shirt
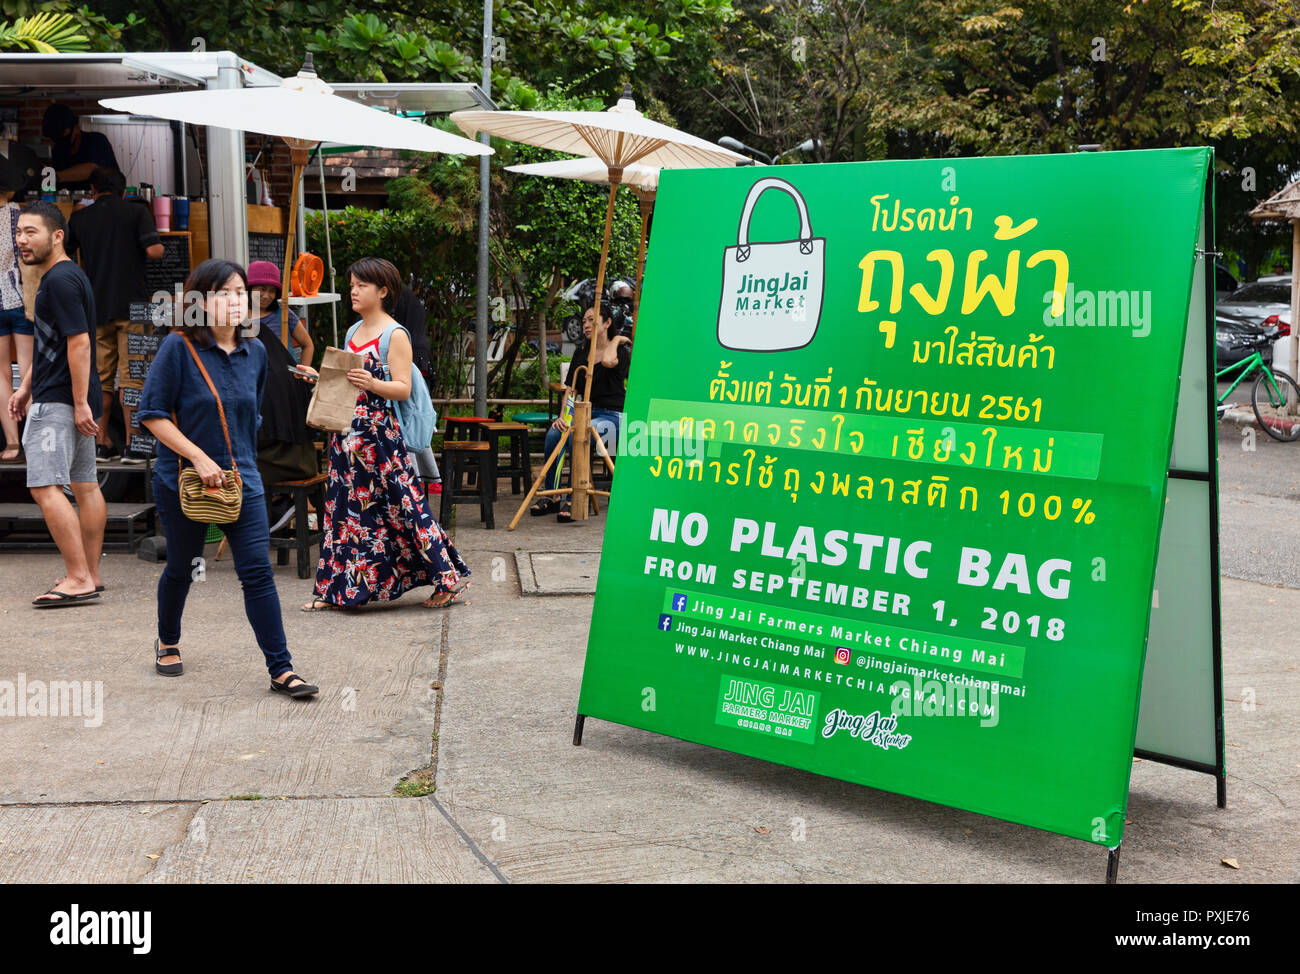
point(176, 388)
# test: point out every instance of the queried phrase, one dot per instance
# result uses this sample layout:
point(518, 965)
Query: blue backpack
point(415, 415)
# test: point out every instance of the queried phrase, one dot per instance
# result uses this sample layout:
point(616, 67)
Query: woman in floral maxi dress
point(379, 536)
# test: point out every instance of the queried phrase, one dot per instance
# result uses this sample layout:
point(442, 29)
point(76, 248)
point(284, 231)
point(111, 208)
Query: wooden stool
point(303, 537)
point(540, 420)
point(460, 457)
point(521, 461)
point(538, 424)
point(313, 488)
point(465, 427)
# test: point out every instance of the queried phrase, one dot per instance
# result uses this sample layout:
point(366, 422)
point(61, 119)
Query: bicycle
point(1275, 395)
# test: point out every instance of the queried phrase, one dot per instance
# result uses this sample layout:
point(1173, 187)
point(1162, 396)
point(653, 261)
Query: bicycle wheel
point(1278, 412)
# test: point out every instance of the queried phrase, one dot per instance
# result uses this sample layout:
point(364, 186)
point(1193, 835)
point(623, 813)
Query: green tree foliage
point(926, 78)
point(868, 80)
point(537, 43)
point(42, 33)
point(429, 231)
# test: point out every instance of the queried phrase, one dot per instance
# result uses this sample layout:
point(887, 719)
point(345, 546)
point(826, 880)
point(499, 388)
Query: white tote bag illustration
point(772, 292)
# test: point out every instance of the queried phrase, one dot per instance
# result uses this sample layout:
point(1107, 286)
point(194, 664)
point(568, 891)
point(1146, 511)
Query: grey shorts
point(56, 452)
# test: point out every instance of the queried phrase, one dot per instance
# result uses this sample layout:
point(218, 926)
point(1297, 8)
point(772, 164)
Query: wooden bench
point(117, 466)
point(27, 518)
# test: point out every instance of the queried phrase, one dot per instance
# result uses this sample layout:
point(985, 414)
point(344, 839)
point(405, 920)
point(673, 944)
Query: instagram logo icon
point(842, 655)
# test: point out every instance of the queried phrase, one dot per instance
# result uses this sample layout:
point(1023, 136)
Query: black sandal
point(565, 514)
point(303, 689)
point(167, 669)
point(546, 505)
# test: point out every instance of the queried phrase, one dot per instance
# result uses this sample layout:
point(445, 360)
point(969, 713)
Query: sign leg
point(1112, 866)
point(577, 730)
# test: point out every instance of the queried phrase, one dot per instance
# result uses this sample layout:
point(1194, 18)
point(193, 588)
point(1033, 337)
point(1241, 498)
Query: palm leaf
point(44, 33)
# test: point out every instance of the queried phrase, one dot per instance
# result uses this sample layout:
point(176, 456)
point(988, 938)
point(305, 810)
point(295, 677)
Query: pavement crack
point(185, 832)
point(110, 802)
point(634, 838)
point(1251, 781)
point(428, 774)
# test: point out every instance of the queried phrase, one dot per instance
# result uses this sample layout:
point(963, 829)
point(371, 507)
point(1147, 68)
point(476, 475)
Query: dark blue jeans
point(249, 548)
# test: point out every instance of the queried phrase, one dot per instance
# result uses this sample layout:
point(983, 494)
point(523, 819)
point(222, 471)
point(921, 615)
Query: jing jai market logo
point(874, 728)
point(772, 291)
point(766, 708)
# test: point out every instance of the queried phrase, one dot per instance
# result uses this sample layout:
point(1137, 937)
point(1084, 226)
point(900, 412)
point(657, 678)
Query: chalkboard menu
point(267, 246)
point(174, 266)
point(149, 321)
point(145, 333)
point(155, 312)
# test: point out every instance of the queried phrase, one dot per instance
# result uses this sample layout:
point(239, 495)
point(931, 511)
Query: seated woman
point(286, 449)
point(613, 358)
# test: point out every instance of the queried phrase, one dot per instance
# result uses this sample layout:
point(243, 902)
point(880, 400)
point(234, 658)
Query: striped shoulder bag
point(210, 505)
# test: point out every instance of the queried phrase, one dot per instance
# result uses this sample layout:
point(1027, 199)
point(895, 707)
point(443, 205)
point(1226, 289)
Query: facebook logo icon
point(665, 622)
point(679, 602)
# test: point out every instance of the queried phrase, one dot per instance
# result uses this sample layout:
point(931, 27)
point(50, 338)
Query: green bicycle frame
point(1248, 367)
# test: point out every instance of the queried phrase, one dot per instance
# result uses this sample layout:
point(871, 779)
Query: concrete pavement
point(211, 778)
point(633, 806)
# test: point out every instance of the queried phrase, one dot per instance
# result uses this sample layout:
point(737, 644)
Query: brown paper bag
point(334, 398)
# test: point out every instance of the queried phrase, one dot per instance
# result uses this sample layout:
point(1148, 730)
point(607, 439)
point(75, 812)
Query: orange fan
point(308, 273)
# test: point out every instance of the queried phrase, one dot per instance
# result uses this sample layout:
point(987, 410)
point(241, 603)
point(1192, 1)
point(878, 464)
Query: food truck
point(213, 191)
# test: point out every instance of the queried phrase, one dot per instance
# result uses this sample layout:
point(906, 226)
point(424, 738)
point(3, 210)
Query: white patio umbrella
point(591, 170)
point(642, 180)
point(302, 110)
point(619, 137)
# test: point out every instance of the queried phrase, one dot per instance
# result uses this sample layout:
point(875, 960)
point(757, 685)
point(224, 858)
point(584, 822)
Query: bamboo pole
point(299, 153)
point(581, 461)
point(646, 201)
point(541, 478)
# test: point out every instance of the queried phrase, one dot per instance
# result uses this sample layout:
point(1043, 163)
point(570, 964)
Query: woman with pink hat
point(285, 444)
point(264, 290)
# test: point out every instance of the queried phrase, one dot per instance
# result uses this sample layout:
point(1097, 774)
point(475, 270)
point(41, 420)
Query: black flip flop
point(565, 513)
point(546, 505)
point(62, 599)
point(303, 689)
